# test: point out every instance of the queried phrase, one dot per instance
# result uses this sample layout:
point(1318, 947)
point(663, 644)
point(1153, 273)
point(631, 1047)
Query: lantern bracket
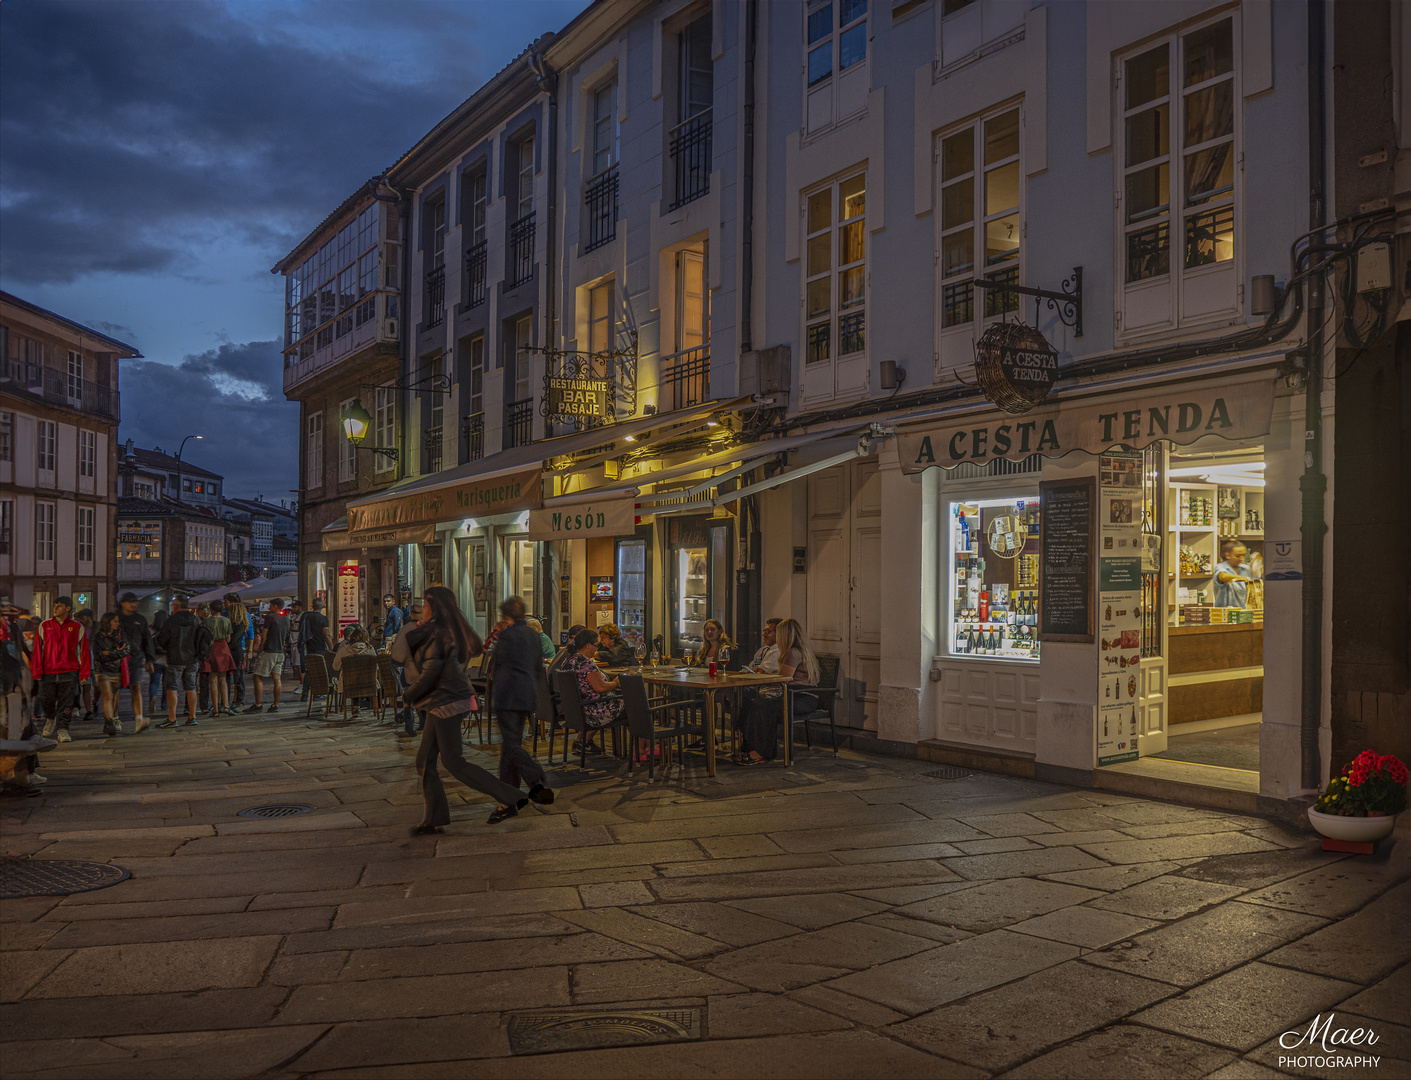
point(1068, 304)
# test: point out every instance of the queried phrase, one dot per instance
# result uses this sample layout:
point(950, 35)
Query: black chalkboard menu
point(1066, 549)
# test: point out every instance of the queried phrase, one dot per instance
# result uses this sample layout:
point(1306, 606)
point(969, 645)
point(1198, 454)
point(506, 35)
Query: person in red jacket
point(61, 663)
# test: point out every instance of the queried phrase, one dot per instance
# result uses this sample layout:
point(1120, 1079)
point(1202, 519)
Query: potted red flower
point(1361, 803)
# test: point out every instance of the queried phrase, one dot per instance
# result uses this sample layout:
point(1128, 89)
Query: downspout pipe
point(547, 80)
point(747, 184)
point(1313, 485)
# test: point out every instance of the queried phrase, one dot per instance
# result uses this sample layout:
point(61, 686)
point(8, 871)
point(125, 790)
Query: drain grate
point(948, 772)
point(277, 810)
point(547, 1032)
point(55, 877)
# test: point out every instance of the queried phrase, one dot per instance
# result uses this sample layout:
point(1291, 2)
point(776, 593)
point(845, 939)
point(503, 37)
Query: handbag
point(126, 676)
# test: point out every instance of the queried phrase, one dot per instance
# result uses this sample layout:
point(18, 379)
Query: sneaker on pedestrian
point(141, 725)
point(49, 728)
point(64, 736)
point(167, 723)
point(110, 728)
point(255, 709)
point(35, 778)
point(272, 708)
point(190, 722)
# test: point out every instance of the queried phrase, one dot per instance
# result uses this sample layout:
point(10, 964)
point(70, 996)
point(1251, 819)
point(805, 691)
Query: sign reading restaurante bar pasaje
point(500, 493)
point(573, 396)
point(1181, 414)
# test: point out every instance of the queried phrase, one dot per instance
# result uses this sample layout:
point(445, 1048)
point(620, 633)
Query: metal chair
point(571, 713)
point(642, 725)
point(826, 691)
point(386, 686)
point(320, 681)
point(357, 679)
point(545, 715)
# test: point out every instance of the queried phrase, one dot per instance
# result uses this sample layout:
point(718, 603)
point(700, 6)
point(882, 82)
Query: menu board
point(1066, 554)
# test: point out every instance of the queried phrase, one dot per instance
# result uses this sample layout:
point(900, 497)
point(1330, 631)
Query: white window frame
point(313, 451)
point(605, 129)
point(436, 230)
point(440, 368)
point(73, 383)
point(688, 105)
point(87, 453)
point(846, 27)
point(816, 274)
point(524, 178)
point(44, 514)
point(1175, 215)
point(953, 290)
point(347, 452)
point(479, 181)
point(85, 534)
point(602, 321)
point(47, 445)
point(384, 427)
point(523, 338)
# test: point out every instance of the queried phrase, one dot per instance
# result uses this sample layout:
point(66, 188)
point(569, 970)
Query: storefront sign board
point(1119, 605)
point(611, 517)
point(571, 397)
point(349, 582)
point(1238, 410)
point(501, 493)
point(1066, 560)
point(339, 539)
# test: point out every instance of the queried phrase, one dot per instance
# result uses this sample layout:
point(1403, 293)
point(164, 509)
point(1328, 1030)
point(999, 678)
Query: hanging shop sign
point(610, 517)
point(339, 539)
point(1236, 410)
point(1015, 366)
point(498, 493)
point(574, 397)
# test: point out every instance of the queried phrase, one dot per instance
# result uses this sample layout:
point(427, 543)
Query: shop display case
point(1203, 517)
point(992, 607)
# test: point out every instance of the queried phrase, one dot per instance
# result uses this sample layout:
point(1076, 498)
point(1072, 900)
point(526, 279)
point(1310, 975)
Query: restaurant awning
point(335, 537)
point(1234, 408)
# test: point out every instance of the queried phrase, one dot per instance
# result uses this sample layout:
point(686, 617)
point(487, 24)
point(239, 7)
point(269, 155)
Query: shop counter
point(1216, 672)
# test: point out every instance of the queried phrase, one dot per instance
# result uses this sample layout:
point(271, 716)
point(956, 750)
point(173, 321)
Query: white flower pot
point(1358, 830)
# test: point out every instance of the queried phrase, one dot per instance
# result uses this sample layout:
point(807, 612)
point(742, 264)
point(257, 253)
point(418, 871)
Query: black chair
point(545, 715)
point(826, 691)
point(571, 714)
point(642, 724)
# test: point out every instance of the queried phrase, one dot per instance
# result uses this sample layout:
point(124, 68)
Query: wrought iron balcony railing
point(435, 298)
point(431, 450)
point(519, 423)
point(521, 267)
point(690, 154)
point(685, 377)
point(475, 275)
point(474, 436)
point(601, 200)
point(58, 388)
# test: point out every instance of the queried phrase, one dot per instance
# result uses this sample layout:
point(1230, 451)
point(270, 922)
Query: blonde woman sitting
point(759, 719)
point(355, 643)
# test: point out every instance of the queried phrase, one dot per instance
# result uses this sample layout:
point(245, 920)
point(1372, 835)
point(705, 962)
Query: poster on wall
point(1120, 553)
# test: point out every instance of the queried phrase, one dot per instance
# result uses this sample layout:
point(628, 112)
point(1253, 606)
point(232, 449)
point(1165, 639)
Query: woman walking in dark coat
point(441, 645)
point(519, 661)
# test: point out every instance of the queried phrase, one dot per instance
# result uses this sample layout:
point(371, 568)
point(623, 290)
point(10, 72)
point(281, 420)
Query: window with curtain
point(835, 270)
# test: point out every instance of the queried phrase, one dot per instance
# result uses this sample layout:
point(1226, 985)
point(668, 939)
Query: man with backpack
point(313, 638)
point(186, 641)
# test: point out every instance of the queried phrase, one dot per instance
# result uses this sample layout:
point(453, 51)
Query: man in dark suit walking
point(516, 658)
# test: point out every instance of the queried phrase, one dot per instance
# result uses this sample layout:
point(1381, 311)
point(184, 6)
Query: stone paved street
point(840, 918)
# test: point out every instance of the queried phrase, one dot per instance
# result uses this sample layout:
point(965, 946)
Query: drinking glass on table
point(640, 652)
point(656, 657)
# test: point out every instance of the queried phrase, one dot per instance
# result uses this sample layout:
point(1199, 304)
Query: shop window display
point(993, 599)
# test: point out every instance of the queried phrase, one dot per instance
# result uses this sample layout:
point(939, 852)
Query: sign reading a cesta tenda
point(1235, 410)
point(611, 517)
point(579, 397)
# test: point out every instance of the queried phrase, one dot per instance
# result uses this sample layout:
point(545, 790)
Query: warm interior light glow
point(356, 421)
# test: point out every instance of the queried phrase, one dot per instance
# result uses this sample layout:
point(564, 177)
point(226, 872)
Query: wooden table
point(696, 679)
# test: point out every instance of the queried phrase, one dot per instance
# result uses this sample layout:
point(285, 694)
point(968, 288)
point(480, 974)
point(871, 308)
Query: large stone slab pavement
point(843, 917)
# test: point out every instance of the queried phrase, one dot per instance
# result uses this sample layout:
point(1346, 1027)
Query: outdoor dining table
point(698, 680)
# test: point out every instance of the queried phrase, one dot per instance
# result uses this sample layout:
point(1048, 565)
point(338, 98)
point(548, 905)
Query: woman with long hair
point(219, 662)
point(356, 642)
point(110, 649)
point(239, 616)
point(759, 720)
point(602, 705)
point(715, 645)
point(441, 644)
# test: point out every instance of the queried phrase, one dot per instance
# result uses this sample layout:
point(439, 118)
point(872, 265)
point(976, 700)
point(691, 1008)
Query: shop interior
point(993, 603)
point(1215, 519)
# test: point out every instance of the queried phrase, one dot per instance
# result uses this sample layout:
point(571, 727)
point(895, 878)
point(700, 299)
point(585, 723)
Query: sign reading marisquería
point(475, 497)
point(571, 396)
point(1236, 410)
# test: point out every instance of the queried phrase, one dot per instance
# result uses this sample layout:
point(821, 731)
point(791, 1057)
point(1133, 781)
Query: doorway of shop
point(844, 579)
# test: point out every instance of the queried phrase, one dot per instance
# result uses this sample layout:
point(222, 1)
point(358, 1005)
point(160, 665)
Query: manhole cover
point(55, 877)
point(546, 1032)
point(949, 772)
point(277, 810)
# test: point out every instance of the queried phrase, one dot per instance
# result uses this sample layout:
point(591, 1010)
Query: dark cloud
point(232, 396)
point(137, 135)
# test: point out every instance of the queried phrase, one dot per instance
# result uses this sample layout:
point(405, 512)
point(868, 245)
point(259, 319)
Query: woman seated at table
point(355, 643)
point(601, 705)
point(762, 711)
point(715, 645)
point(546, 643)
point(612, 650)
